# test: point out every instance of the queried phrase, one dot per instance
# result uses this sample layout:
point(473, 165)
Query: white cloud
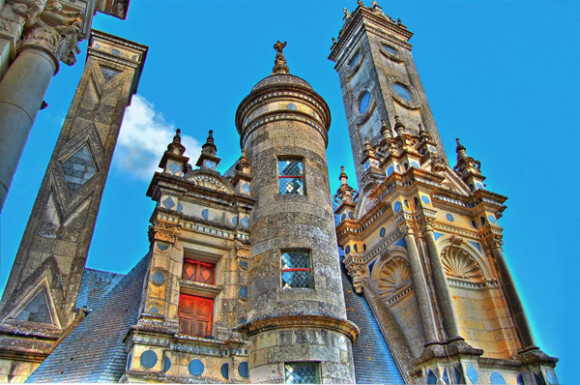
point(144, 138)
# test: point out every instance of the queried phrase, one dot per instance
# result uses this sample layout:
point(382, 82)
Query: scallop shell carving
point(459, 264)
point(394, 276)
point(209, 182)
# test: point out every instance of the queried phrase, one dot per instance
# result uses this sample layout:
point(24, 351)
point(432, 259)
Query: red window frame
point(200, 268)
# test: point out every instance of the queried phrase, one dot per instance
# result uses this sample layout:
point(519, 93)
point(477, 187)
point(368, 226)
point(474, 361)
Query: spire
point(209, 147)
point(280, 66)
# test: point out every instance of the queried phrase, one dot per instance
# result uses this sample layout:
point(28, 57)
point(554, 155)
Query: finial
point(333, 40)
point(400, 23)
point(399, 124)
point(342, 177)
point(175, 146)
point(346, 13)
point(459, 145)
point(360, 3)
point(375, 5)
point(384, 127)
point(209, 147)
point(280, 66)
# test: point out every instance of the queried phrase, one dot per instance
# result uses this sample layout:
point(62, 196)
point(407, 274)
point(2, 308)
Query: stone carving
point(209, 182)
point(56, 30)
point(459, 264)
point(394, 276)
point(163, 232)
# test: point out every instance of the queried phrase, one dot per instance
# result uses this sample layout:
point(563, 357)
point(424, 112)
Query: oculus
point(403, 92)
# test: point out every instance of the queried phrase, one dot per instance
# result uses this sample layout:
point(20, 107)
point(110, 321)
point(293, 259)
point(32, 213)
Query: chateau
point(260, 274)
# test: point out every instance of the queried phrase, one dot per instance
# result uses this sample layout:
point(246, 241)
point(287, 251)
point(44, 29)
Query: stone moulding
point(345, 327)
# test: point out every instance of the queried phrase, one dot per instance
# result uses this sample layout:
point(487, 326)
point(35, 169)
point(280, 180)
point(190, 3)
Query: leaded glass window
point(291, 176)
point(302, 373)
point(296, 269)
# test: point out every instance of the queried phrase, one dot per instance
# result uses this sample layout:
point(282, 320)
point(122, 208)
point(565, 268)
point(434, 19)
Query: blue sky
point(501, 75)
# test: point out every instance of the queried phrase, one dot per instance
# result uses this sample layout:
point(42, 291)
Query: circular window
point(205, 214)
point(382, 232)
point(425, 199)
point(364, 101)
point(403, 92)
point(291, 106)
point(450, 217)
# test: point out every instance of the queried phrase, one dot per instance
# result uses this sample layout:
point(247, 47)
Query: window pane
point(294, 279)
point(294, 259)
point(302, 373)
point(290, 167)
point(291, 186)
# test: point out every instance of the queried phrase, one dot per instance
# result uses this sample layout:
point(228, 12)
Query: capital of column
point(164, 232)
point(55, 31)
point(407, 227)
point(358, 271)
point(494, 240)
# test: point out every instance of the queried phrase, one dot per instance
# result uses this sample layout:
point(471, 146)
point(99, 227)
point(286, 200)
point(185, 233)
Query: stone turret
point(295, 292)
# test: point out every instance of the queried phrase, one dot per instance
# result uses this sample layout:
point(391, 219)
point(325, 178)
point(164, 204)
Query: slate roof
point(94, 350)
point(94, 285)
point(373, 361)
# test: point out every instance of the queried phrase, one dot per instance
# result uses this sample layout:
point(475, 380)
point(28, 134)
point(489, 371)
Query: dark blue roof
point(94, 286)
point(373, 361)
point(94, 351)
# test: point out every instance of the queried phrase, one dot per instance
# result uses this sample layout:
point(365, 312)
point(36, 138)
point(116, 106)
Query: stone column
point(24, 85)
point(441, 286)
point(21, 93)
point(420, 284)
point(512, 297)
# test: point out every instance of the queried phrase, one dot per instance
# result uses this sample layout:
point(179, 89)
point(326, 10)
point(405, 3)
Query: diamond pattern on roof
point(79, 168)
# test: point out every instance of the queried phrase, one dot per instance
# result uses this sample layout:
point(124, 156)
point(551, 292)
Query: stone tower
point(297, 322)
point(39, 302)
point(422, 242)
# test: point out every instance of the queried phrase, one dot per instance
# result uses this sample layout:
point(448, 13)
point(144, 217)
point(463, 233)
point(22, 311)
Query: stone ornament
point(43, 24)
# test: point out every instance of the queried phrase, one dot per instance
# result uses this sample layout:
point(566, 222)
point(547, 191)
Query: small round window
point(390, 49)
point(403, 92)
point(363, 103)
